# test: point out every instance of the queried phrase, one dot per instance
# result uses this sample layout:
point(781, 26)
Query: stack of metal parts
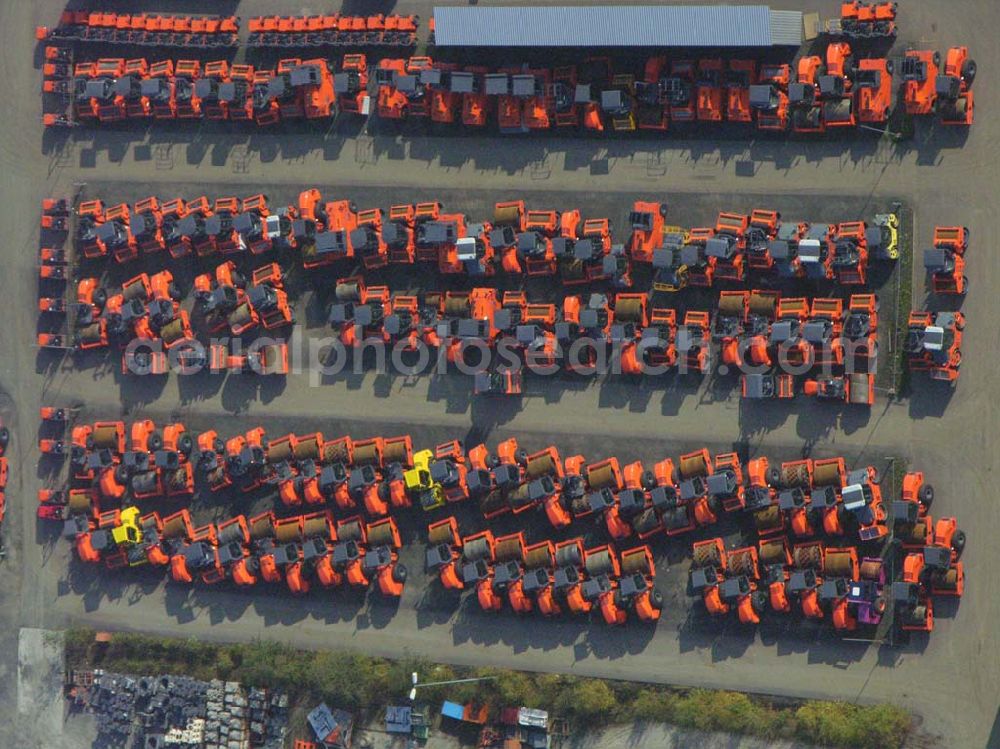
point(169, 702)
point(113, 702)
point(155, 712)
point(268, 718)
point(226, 722)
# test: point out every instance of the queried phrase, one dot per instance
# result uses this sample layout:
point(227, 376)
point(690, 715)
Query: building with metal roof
point(617, 26)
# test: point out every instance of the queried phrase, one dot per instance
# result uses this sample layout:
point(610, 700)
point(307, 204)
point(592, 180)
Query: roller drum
point(947, 580)
point(351, 531)
point(914, 535)
point(262, 528)
point(542, 465)
point(287, 532)
point(315, 528)
point(240, 316)
point(381, 534)
point(278, 452)
point(634, 562)
point(306, 449)
point(105, 437)
point(600, 477)
point(731, 305)
point(336, 452)
point(172, 331)
point(476, 549)
point(456, 307)
point(769, 517)
point(837, 564)
point(826, 474)
point(507, 215)
point(870, 570)
point(135, 290)
point(538, 557)
point(795, 475)
point(772, 553)
point(366, 454)
point(807, 557)
point(440, 534)
point(79, 502)
point(395, 452)
point(600, 563)
point(175, 528)
point(693, 465)
point(742, 563)
point(707, 555)
point(628, 310)
point(232, 533)
point(349, 291)
point(763, 305)
point(568, 556)
point(510, 549)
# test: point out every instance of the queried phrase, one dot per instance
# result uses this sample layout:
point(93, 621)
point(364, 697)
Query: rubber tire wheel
point(218, 445)
point(758, 600)
point(773, 476)
point(656, 600)
point(399, 573)
point(926, 495)
point(238, 280)
point(937, 59)
point(121, 475)
point(877, 478)
point(969, 71)
point(958, 543)
point(521, 457)
point(174, 292)
point(155, 442)
point(958, 359)
point(185, 443)
point(890, 67)
point(89, 442)
point(965, 286)
point(100, 298)
point(648, 480)
point(4, 438)
point(878, 605)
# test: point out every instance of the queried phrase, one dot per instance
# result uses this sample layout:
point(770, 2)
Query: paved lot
point(952, 680)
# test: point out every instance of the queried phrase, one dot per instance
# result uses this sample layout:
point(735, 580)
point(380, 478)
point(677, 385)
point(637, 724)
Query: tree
point(588, 700)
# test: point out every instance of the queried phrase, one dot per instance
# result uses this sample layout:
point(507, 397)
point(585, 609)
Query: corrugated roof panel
point(786, 28)
point(606, 26)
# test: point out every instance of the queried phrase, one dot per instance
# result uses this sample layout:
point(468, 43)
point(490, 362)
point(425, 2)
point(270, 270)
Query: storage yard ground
point(952, 680)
